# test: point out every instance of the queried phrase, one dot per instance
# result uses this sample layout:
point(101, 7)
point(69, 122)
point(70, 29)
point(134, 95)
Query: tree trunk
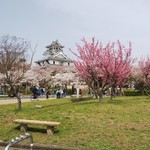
point(100, 99)
point(112, 94)
point(111, 98)
point(100, 94)
point(96, 96)
point(19, 102)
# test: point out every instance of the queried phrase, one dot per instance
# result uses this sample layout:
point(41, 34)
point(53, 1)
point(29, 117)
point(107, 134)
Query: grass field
point(123, 124)
point(3, 96)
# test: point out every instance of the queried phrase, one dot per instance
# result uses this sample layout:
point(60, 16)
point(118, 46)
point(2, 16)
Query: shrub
point(147, 92)
point(132, 93)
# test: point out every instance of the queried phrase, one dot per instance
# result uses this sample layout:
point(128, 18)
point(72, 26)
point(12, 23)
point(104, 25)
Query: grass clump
point(121, 125)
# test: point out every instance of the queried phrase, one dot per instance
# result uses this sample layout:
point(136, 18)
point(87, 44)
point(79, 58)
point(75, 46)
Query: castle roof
point(55, 44)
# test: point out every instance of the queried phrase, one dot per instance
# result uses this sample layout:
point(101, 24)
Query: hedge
point(136, 93)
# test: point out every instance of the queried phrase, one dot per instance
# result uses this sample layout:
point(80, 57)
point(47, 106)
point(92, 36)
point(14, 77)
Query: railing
point(19, 139)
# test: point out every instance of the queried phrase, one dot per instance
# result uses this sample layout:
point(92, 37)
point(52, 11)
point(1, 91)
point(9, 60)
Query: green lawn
point(3, 96)
point(123, 124)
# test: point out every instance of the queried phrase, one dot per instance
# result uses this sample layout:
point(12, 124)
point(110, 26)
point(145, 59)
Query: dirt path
point(14, 100)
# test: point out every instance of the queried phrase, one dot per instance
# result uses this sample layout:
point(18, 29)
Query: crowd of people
point(37, 91)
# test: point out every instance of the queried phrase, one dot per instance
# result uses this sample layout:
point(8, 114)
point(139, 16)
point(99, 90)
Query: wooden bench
point(24, 124)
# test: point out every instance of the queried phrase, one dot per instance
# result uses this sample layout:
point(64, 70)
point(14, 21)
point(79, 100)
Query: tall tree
point(144, 65)
point(103, 67)
point(13, 62)
point(144, 73)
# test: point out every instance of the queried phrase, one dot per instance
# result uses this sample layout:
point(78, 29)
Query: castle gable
point(60, 55)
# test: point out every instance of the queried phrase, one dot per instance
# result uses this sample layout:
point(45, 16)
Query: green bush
point(132, 93)
point(147, 92)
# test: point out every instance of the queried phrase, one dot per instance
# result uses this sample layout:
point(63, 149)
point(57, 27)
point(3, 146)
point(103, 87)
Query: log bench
point(24, 124)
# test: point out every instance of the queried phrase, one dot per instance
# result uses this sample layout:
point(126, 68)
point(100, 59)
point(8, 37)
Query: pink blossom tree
point(144, 73)
point(144, 65)
point(107, 66)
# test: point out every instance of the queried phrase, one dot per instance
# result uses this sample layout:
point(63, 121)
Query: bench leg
point(23, 127)
point(50, 130)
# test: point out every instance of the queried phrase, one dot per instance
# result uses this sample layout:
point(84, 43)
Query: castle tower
point(54, 55)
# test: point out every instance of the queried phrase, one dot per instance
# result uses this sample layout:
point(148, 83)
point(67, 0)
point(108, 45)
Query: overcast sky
point(44, 21)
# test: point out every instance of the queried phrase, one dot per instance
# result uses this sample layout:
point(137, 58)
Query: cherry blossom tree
point(54, 74)
point(145, 70)
point(13, 62)
point(143, 74)
point(103, 67)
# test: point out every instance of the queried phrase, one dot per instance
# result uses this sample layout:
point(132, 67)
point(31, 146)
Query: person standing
point(34, 91)
point(80, 92)
point(47, 92)
point(58, 93)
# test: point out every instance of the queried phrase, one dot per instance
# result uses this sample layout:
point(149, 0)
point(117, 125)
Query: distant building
point(54, 56)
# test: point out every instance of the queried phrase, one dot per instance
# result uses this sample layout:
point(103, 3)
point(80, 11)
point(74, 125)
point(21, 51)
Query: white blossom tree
point(13, 62)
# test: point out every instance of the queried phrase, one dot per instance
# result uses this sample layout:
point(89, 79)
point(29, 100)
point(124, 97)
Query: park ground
point(122, 124)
